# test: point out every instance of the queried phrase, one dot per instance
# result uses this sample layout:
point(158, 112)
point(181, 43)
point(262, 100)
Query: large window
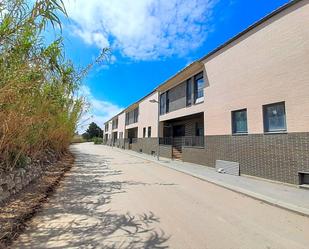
point(149, 131)
point(164, 103)
point(106, 127)
point(115, 123)
point(239, 122)
point(189, 92)
point(198, 88)
point(132, 116)
point(274, 117)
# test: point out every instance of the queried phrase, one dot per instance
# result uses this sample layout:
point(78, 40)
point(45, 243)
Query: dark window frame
point(266, 127)
point(234, 131)
point(189, 84)
point(149, 131)
point(197, 77)
point(164, 103)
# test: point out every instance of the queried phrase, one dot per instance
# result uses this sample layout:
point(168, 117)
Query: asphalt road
point(113, 200)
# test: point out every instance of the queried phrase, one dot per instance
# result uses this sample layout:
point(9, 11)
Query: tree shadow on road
point(78, 215)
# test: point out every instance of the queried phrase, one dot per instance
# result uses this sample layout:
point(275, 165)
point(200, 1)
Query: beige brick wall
point(148, 115)
point(267, 65)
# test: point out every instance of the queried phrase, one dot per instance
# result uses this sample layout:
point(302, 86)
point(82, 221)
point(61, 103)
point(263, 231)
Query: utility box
point(303, 177)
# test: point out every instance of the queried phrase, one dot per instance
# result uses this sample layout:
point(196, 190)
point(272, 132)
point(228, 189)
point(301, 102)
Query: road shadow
point(78, 216)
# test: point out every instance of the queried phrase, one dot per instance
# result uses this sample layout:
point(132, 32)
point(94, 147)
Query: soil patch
point(19, 209)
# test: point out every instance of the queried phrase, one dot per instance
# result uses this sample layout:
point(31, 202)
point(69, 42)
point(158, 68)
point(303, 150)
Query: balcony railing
point(186, 141)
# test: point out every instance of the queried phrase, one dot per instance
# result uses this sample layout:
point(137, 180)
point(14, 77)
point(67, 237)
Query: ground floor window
point(274, 117)
point(149, 131)
point(239, 121)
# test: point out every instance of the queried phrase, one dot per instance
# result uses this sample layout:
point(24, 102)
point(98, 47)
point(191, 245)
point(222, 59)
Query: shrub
point(78, 139)
point(97, 140)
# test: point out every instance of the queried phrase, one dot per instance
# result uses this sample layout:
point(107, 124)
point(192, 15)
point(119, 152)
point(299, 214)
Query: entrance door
point(178, 134)
point(178, 131)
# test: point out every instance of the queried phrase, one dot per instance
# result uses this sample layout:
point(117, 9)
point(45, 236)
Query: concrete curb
point(264, 198)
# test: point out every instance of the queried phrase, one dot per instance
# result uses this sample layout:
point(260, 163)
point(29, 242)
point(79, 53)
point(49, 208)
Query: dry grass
point(39, 105)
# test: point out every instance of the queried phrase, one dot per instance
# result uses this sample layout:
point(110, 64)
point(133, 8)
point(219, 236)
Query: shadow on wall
point(78, 216)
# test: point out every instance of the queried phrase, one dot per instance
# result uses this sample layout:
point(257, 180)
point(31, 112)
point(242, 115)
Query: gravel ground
point(114, 200)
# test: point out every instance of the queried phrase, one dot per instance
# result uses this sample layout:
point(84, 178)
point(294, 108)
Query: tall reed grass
point(39, 106)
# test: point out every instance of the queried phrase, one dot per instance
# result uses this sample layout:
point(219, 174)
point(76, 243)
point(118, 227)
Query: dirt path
point(112, 200)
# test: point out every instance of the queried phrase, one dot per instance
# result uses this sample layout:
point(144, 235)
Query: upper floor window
point(198, 88)
point(274, 117)
point(189, 89)
point(106, 127)
point(115, 123)
point(164, 103)
point(132, 116)
point(239, 121)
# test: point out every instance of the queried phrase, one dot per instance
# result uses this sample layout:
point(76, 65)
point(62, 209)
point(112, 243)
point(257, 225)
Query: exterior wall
point(146, 145)
point(267, 65)
point(166, 151)
point(276, 157)
point(148, 115)
point(183, 112)
point(149, 146)
point(121, 124)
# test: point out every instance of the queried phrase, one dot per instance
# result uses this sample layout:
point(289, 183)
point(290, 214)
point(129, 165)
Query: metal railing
point(186, 141)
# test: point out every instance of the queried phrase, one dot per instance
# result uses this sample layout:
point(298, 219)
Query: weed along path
point(114, 200)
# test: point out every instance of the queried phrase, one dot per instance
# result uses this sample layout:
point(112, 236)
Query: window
point(135, 115)
point(198, 88)
point(149, 131)
point(274, 117)
point(239, 122)
point(132, 116)
point(144, 132)
point(115, 123)
point(106, 127)
point(164, 103)
point(189, 92)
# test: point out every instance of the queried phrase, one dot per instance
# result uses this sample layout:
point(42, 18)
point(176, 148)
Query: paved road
point(113, 200)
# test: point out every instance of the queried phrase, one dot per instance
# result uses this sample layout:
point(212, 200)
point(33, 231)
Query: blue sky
point(150, 40)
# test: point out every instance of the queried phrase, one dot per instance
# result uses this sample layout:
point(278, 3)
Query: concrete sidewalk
point(282, 195)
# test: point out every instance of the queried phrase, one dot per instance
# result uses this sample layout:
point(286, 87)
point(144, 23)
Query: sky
point(149, 41)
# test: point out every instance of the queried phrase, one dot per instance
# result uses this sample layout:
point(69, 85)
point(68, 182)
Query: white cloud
point(142, 29)
point(99, 112)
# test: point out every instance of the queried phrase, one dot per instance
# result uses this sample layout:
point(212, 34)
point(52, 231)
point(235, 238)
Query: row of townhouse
point(246, 102)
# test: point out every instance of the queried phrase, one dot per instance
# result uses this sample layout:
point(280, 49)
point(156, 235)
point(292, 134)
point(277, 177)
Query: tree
point(94, 131)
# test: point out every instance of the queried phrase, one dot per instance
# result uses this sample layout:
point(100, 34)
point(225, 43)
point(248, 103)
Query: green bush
point(97, 140)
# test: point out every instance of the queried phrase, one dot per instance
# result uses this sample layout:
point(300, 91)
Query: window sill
point(275, 132)
point(240, 134)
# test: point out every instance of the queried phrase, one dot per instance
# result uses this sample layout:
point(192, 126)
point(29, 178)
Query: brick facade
point(276, 157)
